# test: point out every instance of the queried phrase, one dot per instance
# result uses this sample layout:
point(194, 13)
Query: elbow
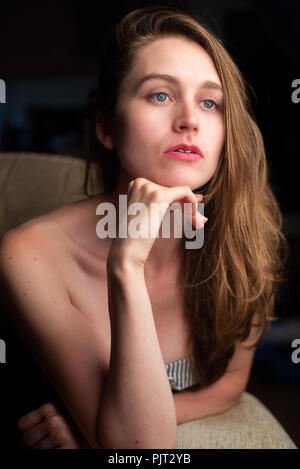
point(123, 440)
point(137, 433)
point(234, 386)
point(236, 396)
point(137, 443)
point(171, 444)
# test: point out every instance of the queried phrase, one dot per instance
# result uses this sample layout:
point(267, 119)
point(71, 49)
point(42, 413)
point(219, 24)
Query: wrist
point(120, 264)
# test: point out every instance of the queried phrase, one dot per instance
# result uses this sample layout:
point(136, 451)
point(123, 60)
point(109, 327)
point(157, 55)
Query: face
point(159, 114)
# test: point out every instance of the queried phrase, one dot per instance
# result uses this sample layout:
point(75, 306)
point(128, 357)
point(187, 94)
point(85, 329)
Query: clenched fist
point(155, 200)
point(49, 428)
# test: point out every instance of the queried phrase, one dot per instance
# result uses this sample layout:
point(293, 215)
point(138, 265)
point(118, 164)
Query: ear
point(103, 132)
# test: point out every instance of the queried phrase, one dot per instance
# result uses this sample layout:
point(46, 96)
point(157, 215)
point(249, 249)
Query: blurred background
point(48, 61)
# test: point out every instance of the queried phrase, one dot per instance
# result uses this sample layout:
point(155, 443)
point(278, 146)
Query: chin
point(173, 182)
point(167, 179)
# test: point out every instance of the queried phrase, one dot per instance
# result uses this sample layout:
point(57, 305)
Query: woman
point(103, 316)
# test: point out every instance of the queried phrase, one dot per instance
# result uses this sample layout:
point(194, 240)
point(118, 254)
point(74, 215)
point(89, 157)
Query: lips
point(184, 146)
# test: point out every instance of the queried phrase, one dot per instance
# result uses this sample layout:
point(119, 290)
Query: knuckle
point(148, 188)
point(157, 195)
point(28, 420)
point(57, 432)
point(139, 181)
point(53, 423)
point(47, 409)
point(58, 439)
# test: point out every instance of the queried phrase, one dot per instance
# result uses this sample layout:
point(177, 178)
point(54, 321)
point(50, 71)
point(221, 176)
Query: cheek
point(144, 126)
point(216, 137)
point(214, 143)
point(135, 131)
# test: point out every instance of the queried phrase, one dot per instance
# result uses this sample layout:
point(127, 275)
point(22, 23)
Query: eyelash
point(217, 106)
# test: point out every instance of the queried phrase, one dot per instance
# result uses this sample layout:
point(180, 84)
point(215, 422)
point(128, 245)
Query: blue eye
point(159, 93)
point(211, 101)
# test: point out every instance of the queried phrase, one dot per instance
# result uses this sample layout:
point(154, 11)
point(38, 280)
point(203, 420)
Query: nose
point(187, 119)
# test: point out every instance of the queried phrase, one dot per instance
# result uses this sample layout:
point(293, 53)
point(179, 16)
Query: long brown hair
point(234, 276)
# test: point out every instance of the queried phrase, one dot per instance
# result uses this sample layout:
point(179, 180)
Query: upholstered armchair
point(32, 184)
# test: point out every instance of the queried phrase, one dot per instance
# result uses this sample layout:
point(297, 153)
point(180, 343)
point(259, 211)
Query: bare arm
point(73, 355)
point(131, 399)
point(137, 407)
point(224, 393)
point(214, 399)
point(64, 344)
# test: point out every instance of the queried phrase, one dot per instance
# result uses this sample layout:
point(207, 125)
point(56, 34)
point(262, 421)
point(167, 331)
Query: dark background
point(48, 54)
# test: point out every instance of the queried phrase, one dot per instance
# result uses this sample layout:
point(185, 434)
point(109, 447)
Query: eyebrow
point(163, 76)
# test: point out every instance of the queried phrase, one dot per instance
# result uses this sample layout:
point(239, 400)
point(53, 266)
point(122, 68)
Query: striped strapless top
point(181, 373)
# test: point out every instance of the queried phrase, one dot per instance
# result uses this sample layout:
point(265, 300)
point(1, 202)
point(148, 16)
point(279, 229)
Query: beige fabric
point(248, 425)
point(32, 184)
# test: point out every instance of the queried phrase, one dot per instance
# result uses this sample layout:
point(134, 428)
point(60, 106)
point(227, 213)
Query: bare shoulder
point(38, 247)
point(73, 355)
point(37, 237)
point(47, 250)
point(27, 258)
point(49, 233)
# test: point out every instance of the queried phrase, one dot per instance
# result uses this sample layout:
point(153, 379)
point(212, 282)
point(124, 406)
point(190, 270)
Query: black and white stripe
point(181, 373)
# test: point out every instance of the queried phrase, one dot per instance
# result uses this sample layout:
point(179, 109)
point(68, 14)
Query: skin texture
point(144, 128)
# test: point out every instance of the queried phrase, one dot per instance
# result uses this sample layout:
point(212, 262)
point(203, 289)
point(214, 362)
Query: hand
point(49, 428)
point(144, 191)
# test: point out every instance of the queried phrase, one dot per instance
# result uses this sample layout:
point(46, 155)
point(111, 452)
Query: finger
point(62, 428)
point(50, 409)
point(46, 443)
point(130, 186)
point(30, 420)
point(37, 416)
point(130, 189)
point(199, 199)
point(192, 212)
point(34, 435)
point(138, 183)
point(185, 194)
point(199, 219)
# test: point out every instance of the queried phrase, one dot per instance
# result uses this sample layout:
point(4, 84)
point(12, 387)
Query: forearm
point(137, 408)
point(214, 399)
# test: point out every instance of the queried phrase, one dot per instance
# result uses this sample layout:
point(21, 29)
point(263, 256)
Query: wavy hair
point(233, 278)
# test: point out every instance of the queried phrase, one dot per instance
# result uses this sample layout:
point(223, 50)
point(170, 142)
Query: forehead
point(177, 55)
